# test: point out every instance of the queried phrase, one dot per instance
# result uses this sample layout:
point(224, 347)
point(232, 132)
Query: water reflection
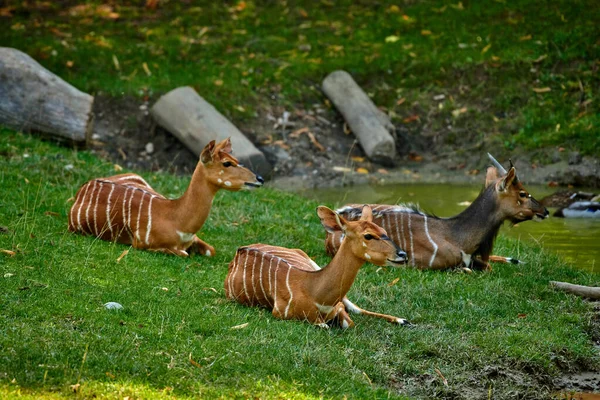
point(575, 240)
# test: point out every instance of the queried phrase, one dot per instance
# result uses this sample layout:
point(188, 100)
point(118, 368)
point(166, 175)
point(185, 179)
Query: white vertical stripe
point(435, 246)
point(108, 221)
point(129, 212)
point(87, 186)
point(96, 210)
point(287, 283)
point(275, 288)
point(244, 275)
point(262, 287)
point(149, 226)
point(252, 276)
point(87, 210)
point(270, 287)
point(123, 215)
point(137, 229)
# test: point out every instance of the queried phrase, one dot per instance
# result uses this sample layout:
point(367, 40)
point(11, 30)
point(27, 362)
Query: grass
point(517, 75)
point(176, 335)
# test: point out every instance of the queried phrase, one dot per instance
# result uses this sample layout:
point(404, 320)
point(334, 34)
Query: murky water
point(575, 240)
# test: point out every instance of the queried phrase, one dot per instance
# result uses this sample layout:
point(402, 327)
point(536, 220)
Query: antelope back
point(264, 275)
point(514, 201)
point(117, 208)
point(224, 171)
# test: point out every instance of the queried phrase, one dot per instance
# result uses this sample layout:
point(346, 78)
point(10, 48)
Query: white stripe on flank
point(129, 212)
point(96, 210)
point(108, 221)
point(435, 246)
point(252, 277)
point(260, 277)
point(275, 288)
point(149, 226)
point(137, 229)
point(87, 210)
point(270, 287)
point(412, 251)
point(123, 215)
point(287, 283)
point(80, 206)
point(244, 276)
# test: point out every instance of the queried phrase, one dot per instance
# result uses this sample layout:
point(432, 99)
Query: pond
point(575, 240)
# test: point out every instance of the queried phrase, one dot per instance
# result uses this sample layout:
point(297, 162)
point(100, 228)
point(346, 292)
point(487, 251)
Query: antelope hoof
point(322, 325)
point(401, 321)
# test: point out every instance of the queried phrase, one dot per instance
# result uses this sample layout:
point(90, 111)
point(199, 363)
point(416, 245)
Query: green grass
point(485, 56)
point(56, 333)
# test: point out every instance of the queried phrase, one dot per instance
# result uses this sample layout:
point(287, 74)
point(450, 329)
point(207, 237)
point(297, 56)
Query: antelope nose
point(401, 254)
point(260, 179)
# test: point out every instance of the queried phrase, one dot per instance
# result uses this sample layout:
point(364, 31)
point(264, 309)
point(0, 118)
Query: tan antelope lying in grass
point(436, 243)
point(293, 286)
point(124, 208)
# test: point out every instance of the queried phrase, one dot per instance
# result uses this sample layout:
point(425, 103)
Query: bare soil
point(311, 147)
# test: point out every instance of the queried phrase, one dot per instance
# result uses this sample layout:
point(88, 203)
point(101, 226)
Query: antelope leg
point(389, 318)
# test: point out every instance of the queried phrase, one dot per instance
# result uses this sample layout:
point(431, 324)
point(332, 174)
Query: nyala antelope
point(124, 208)
point(293, 286)
point(466, 239)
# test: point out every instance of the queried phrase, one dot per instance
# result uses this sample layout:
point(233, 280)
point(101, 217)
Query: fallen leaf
point(75, 387)
point(218, 82)
point(415, 157)
point(392, 39)
point(6, 11)
point(116, 62)
point(211, 289)
point(240, 326)
point(342, 169)
point(457, 112)
point(146, 69)
point(52, 214)
point(394, 9)
point(486, 48)
point(362, 170)
point(400, 101)
point(8, 275)
point(425, 32)
point(383, 171)
point(522, 316)
point(473, 172)
point(437, 371)
point(110, 375)
point(347, 129)
point(281, 144)
point(524, 38)
point(552, 184)
point(541, 90)
point(314, 141)
point(357, 159)
point(123, 254)
point(540, 58)
point(411, 118)
point(392, 283)
point(194, 363)
point(8, 252)
point(298, 132)
point(561, 149)
point(164, 289)
point(240, 108)
point(117, 167)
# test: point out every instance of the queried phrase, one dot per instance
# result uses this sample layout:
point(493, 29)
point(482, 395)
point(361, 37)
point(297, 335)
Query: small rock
point(275, 154)
point(149, 148)
point(111, 305)
point(574, 158)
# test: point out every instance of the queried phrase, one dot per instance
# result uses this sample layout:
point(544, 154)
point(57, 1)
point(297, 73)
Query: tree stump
point(195, 122)
point(34, 99)
point(370, 125)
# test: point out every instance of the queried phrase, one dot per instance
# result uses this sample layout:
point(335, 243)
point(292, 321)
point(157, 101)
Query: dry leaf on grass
point(541, 90)
point(8, 252)
point(240, 326)
point(123, 254)
point(392, 283)
point(362, 171)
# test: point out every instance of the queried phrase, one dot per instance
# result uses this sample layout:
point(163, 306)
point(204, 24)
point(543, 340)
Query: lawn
point(500, 332)
point(515, 75)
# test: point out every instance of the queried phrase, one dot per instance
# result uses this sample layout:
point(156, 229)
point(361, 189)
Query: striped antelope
point(124, 208)
point(293, 286)
point(437, 243)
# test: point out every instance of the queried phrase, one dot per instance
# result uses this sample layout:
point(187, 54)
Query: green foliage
point(176, 334)
point(485, 56)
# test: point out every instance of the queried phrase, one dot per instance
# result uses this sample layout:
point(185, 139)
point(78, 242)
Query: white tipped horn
point(497, 164)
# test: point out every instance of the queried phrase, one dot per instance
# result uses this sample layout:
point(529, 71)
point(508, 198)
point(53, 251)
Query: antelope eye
point(368, 236)
point(522, 194)
point(227, 164)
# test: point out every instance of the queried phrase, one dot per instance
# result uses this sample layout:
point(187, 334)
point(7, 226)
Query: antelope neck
point(479, 223)
point(192, 209)
point(329, 285)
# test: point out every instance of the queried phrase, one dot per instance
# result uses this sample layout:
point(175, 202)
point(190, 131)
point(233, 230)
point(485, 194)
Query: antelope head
point(514, 200)
point(367, 240)
point(224, 171)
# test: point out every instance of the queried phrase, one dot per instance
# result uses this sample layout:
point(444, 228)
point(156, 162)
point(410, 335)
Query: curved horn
point(512, 166)
point(497, 164)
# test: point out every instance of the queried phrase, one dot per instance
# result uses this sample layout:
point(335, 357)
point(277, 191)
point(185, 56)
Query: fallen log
point(195, 122)
point(370, 125)
point(34, 99)
point(584, 291)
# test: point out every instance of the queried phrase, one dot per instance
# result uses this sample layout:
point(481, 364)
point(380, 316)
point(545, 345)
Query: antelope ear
point(367, 214)
point(508, 179)
point(331, 221)
point(225, 146)
point(207, 152)
point(491, 176)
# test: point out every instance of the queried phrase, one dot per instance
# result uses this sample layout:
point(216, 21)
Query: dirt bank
point(311, 147)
